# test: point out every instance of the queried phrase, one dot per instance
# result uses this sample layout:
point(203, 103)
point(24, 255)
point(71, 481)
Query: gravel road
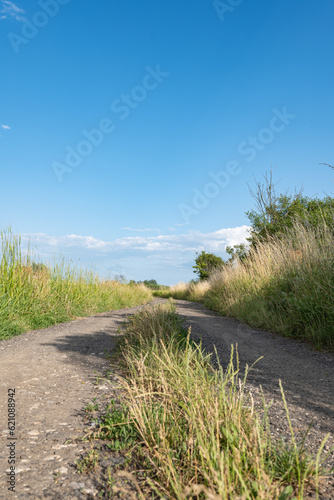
point(53, 372)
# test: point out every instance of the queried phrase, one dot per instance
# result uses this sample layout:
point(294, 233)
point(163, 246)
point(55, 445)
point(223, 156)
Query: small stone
point(22, 469)
point(91, 491)
point(33, 433)
point(77, 486)
point(62, 470)
point(53, 457)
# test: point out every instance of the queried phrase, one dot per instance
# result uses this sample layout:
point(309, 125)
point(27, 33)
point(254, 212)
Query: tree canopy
point(206, 263)
point(275, 213)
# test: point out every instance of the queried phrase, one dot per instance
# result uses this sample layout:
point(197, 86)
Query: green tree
point(153, 284)
point(38, 267)
point(120, 278)
point(275, 213)
point(237, 252)
point(206, 263)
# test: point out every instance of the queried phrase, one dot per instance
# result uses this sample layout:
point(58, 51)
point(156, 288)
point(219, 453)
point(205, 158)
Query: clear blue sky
point(189, 96)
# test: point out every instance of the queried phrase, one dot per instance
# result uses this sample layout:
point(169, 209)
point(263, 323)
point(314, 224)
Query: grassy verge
point(193, 430)
point(286, 286)
point(37, 296)
point(185, 291)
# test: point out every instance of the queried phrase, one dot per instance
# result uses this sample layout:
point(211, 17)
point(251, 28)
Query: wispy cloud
point(10, 10)
point(5, 127)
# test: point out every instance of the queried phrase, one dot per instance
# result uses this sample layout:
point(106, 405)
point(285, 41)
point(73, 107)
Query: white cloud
point(165, 243)
point(10, 10)
point(166, 257)
point(5, 127)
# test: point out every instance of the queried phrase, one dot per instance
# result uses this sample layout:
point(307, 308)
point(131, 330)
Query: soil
point(58, 371)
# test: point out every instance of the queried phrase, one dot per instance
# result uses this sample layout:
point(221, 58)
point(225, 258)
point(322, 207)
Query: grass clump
point(36, 296)
point(199, 435)
point(88, 463)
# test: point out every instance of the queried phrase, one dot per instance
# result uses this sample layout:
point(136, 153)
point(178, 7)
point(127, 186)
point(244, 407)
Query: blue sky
point(129, 130)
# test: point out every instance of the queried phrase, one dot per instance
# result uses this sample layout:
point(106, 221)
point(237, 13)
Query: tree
point(206, 263)
point(120, 278)
point(237, 252)
point(39, 267)
point(275, 213)
point(153, 284)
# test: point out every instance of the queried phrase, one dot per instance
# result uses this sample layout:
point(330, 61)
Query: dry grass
point(286, 286)
point(200, 434)
point(187, 291)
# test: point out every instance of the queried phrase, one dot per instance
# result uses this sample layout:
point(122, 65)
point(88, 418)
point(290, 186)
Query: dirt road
point(53, 372)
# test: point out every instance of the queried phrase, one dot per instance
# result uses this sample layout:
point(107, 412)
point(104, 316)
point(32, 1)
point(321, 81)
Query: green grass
point(37, 296)
point(88, 463)
point(198, 434)
point(117, 427)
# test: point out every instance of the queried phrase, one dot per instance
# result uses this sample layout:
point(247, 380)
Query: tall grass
point(286, 285)
point(39, 296)
point(187, 291)
point(199, 432)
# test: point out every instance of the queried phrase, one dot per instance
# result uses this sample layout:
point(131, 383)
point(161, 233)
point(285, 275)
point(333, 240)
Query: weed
point(117, 428)
point(89, 462)
point(90, 407)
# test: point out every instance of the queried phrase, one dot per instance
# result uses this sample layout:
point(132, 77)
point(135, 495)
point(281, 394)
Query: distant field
point(34, 296)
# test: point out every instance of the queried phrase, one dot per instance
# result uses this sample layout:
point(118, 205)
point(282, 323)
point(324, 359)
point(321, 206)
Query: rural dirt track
point(54, 374)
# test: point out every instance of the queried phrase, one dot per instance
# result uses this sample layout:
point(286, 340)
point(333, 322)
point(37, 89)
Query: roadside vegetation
point(192, 431)
point(33, 295)
point(283, 280)
point(152, 284)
